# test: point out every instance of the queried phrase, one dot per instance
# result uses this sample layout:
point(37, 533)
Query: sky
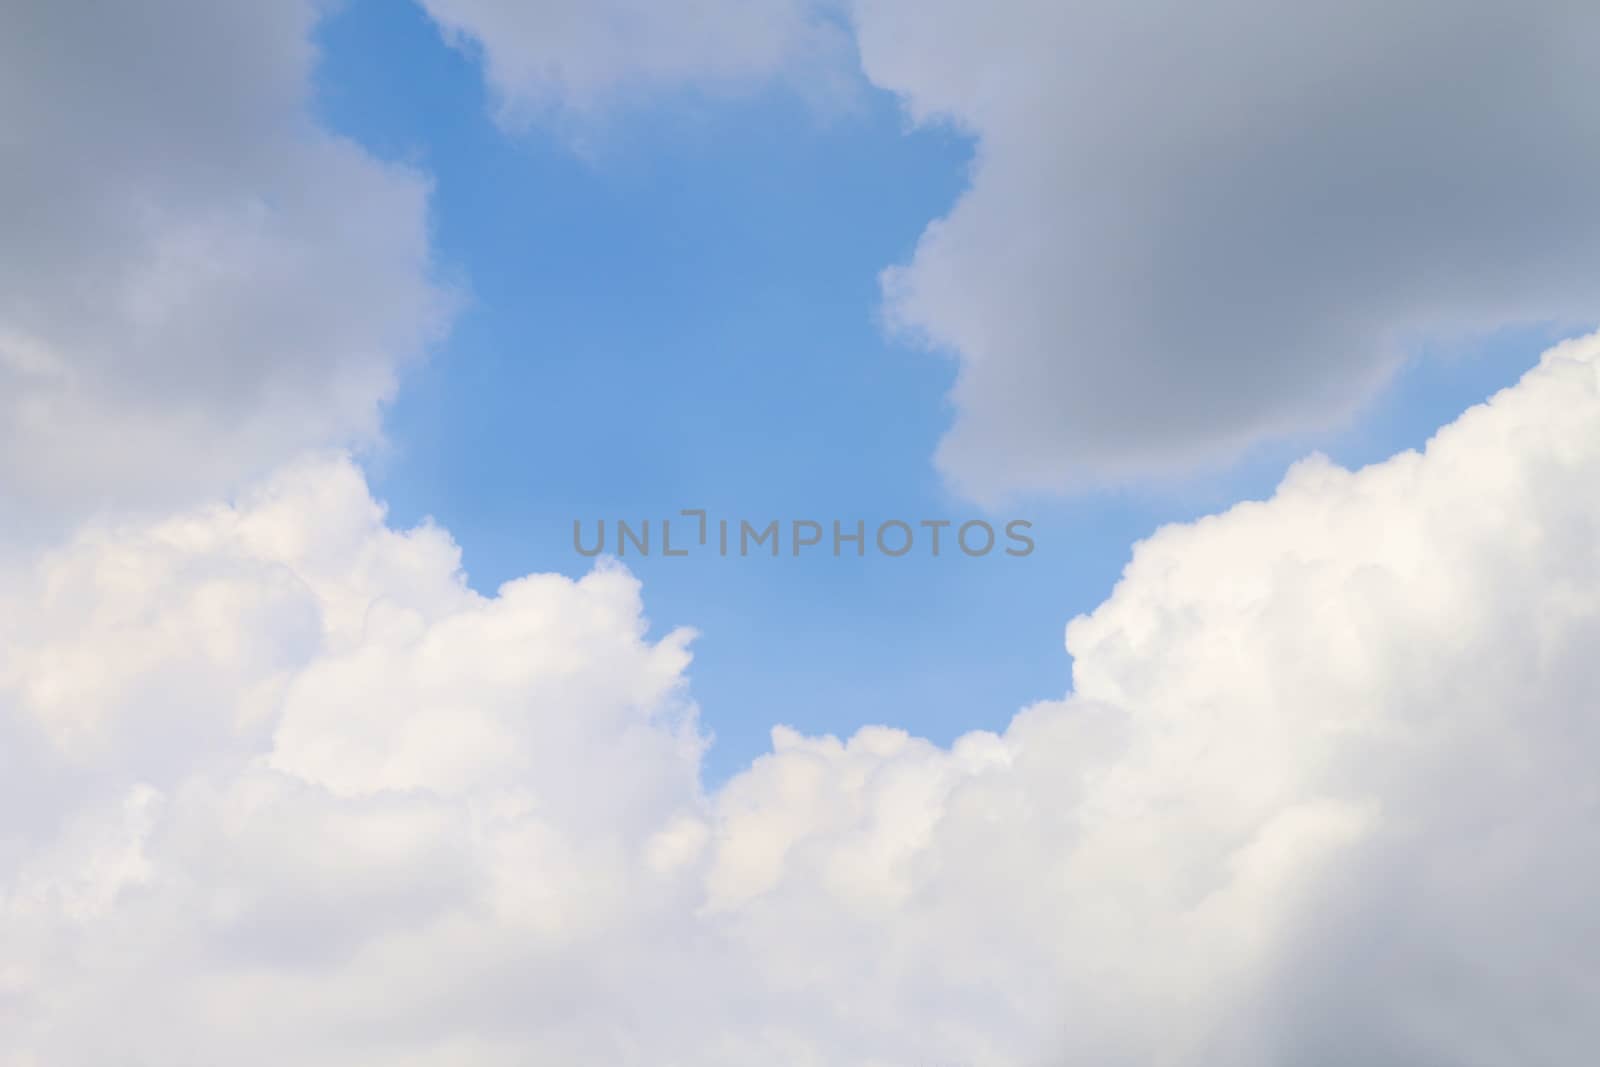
point(321, 324)
point(711, 271)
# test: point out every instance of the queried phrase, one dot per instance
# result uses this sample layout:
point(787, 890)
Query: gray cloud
point(1191, 227)
point(197, 281)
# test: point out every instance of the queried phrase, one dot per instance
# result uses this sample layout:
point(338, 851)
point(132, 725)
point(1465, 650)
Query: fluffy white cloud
point(279, 788)
point(277, 783)
point(574, 56)
point(196, 281)
point(1193, 226)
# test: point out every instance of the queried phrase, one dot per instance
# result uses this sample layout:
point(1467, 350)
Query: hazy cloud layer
point(576, 57)
point(1193, 226)
point(196, 281)
point(279, 788)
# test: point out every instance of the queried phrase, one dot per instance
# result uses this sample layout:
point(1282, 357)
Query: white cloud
point(1190, 227)
point(197, 281)
point(576, 56)
point(279, 788)
point(255, 750)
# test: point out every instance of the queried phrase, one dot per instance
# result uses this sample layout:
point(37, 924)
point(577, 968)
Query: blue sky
point(684, 311)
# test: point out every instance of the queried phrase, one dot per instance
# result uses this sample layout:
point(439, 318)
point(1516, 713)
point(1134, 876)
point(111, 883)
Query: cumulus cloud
point(275, 766)
point(1190, 227)
point(576, 56)
point(280, 788)
point(197, 281)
